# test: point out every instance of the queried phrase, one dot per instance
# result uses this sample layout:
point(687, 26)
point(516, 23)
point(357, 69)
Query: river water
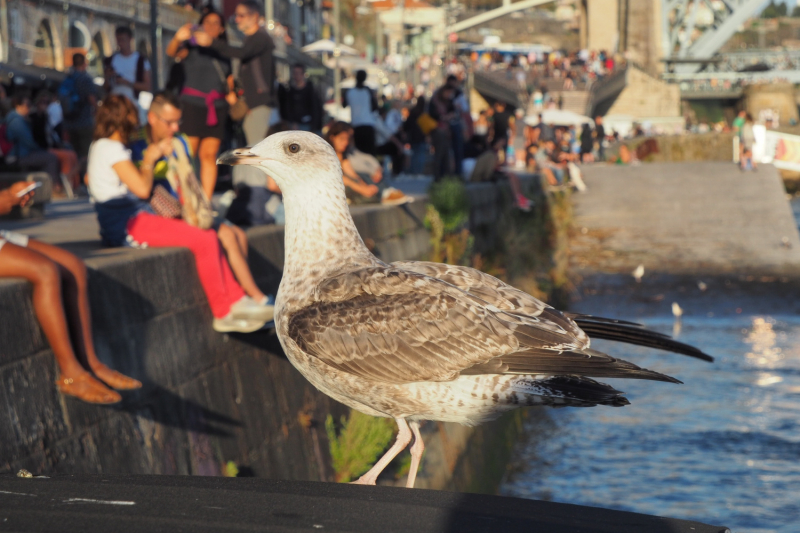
point(724, 448)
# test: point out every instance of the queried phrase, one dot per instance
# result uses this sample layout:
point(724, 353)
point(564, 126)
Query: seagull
point(676, 310)
point(638, 273)
point(417, 341)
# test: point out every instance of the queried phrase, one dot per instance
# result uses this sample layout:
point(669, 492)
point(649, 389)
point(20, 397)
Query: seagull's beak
point(240, 156)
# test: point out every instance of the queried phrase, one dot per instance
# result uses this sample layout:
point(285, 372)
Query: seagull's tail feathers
point(632, 333)
point(542, 363)
point(570, 391)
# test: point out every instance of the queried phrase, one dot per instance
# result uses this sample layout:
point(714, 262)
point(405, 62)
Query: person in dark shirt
point(203, 95)
point(416, 138)
point(300, 105)
point(600, 134)
point(257, 75)
point(442, 110)
point(587, 143)
point(504, 125)
point(79, 126)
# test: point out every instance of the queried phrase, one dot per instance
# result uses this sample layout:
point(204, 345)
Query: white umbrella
point(558, 117)
point(327, 46)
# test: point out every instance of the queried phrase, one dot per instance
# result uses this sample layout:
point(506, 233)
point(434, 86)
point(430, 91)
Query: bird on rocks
point(638, 273)
point(418, 341)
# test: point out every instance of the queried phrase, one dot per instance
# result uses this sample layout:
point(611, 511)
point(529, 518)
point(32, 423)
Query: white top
point(125, 66)
point(360, 102)
point(104, 182)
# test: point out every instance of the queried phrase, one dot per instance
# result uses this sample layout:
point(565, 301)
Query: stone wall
point(601, 29)
point(677, 148)
point(773, 96)
point(208, 398)
point(645, 96)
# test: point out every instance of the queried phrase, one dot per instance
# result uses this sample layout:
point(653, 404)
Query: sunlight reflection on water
point(723, 449)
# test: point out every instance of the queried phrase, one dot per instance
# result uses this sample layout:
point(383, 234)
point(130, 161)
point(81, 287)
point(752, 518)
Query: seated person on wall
point(360, 189)
point(488, 169)
point(47, 139)
point(25, 152)
point(61, 303)
point(532, 165)
point(122, 193)
point(163, 123)
point(549, 156)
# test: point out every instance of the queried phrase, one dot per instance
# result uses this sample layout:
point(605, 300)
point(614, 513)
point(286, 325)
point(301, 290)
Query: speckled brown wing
point(495, 292)
point(505, 296)
point(395, 326)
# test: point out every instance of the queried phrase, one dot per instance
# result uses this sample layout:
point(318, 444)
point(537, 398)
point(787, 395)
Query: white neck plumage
point(321, 238)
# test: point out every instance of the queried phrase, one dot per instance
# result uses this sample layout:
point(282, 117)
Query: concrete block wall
point(680, 148)
point(646, 96)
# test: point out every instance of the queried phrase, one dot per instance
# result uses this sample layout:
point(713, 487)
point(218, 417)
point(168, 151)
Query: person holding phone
point(204, 96)
point(61, 304)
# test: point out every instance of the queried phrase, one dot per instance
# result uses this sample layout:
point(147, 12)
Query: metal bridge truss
point(697, 29)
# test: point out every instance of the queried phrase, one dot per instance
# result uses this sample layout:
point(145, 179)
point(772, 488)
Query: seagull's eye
point(294, 148)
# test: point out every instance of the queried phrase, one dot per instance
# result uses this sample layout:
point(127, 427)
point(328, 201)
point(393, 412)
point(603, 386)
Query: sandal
point(116, 380)
point(86, 388)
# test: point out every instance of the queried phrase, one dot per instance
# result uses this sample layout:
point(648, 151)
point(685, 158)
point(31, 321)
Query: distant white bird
point(785, 242)
point(419, 341)
point(638, 273)
point(702, 286)
point(676, 310)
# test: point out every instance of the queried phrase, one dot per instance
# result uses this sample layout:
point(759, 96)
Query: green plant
point(357, 445)
point(446, 217)
point(449, 198)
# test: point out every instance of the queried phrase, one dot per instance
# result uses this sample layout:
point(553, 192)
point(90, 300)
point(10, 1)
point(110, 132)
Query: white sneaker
point(248, 309)
point(230, 324)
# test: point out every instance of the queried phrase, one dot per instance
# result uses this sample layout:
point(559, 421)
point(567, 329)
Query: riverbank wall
point(212, 404)
point(695, 147)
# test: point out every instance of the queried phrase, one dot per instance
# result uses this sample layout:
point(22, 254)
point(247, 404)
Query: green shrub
point(449, 198)
point(359, 442)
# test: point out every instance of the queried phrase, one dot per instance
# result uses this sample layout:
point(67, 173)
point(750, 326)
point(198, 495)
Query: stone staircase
point(575, 101)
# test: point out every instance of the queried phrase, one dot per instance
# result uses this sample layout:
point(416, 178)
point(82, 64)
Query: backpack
point(70, 99)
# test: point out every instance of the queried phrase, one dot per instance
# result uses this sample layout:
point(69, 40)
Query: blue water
point(724, 448)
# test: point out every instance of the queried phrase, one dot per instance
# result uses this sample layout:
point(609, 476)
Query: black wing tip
point(632, 333)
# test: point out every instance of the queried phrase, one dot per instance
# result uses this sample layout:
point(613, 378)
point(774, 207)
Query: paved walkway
point(685, 218)
point(72, 224)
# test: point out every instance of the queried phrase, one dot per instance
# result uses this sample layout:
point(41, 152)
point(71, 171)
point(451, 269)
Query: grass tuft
point(359, 442)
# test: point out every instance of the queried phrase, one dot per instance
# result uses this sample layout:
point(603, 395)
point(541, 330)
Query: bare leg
point(76, 304)
point(241, 237)
point(238, 262)
point(194, 144)
point(513, 180)
point(416, 454)
point(44, 274)
point(209, 149)
point(403, 438)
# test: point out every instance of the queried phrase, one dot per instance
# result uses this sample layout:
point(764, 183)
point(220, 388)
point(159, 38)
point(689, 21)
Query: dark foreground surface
point(126, 504)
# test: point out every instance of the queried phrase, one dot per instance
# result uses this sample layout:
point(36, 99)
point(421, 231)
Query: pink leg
point(416, 454)
point(403, 438)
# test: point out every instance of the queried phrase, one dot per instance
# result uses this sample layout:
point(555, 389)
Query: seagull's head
point(294, 159)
